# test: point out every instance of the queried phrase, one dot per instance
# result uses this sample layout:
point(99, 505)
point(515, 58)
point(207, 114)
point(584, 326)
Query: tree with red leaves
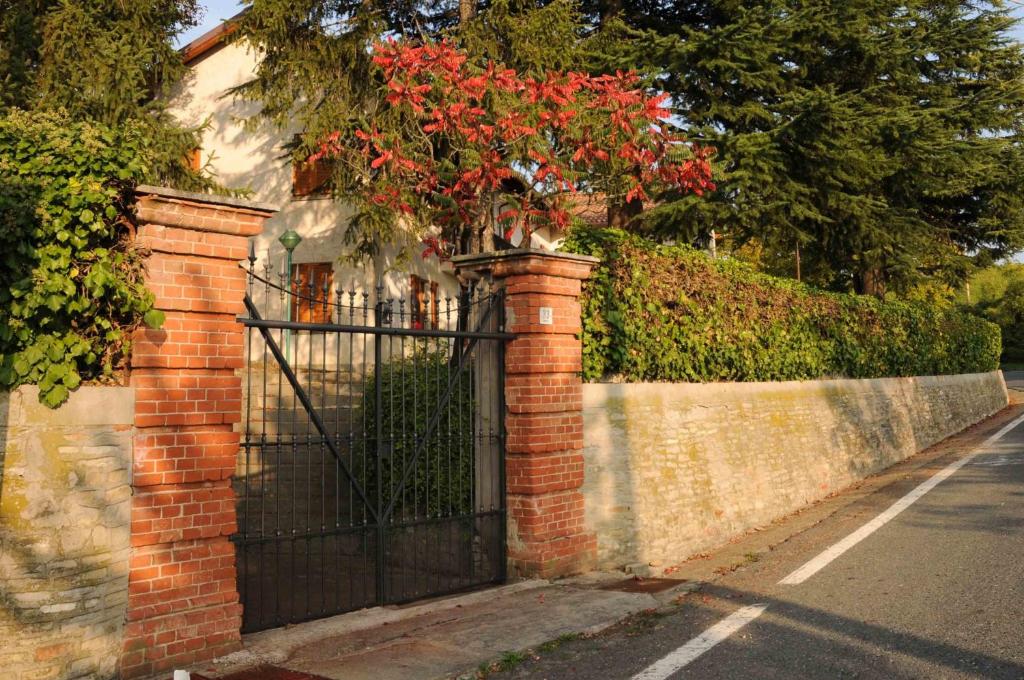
point(454, 152)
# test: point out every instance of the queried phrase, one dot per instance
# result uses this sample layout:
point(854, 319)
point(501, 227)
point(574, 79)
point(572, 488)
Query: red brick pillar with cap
point(183, 603)
point(547, 535)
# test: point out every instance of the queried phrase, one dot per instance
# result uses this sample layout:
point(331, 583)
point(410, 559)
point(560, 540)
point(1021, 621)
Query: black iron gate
point(372, 462)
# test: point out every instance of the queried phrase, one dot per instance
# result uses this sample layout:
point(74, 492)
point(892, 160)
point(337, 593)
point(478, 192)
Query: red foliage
point(454, 132)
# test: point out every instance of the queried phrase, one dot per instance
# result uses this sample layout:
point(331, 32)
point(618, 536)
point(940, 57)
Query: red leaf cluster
point(455, 132)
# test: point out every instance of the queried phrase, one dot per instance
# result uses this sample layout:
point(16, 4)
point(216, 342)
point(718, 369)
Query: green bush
point(411, 390)
point(71, 286)
point(654, 312)
point(1006, 309)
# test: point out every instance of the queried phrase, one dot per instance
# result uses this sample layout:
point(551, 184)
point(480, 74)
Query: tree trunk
point(475, 239)
point(608, 9)
point(621, 214)
point(870, 281)
point(467, 10)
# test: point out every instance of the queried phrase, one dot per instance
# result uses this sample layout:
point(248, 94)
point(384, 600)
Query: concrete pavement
point(445, 637)
point(937, 592)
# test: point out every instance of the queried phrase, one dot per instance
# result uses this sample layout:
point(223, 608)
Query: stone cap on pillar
point(504, 263)
point(201, 212)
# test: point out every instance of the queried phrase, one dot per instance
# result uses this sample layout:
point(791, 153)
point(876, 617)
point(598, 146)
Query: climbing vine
point(71, 285)
point(653, 312)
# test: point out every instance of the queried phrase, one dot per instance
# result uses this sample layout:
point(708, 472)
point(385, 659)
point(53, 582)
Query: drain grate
point(643, 585)
point(263, 673)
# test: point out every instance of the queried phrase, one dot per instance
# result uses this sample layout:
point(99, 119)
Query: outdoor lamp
point(290, 240)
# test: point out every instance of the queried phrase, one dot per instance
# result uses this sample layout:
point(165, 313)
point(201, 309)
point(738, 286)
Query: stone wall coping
point(89, 405)
point(518, 253)
point(594, 394)
point(210, 199)
point(518, 261)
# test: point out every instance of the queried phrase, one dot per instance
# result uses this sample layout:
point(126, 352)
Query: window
point(194, 159)
point(426, 302)
point(317, 309)
point(309, 179)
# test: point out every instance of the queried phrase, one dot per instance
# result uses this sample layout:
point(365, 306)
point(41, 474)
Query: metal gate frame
point(462, 366)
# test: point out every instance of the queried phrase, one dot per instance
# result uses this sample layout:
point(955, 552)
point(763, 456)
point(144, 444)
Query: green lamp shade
point(290, 239)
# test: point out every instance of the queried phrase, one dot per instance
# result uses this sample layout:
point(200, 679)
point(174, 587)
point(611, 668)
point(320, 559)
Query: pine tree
point(879, 138)
point(106, 61)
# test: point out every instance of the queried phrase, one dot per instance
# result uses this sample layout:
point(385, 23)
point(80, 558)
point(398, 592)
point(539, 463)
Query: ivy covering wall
point(670, 313)
point(71, 287)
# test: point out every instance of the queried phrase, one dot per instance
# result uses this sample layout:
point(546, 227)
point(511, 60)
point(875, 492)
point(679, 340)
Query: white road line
point(821, 561)
point(700, 644)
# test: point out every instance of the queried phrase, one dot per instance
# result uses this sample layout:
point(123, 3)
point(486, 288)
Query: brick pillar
point(544, 418)
point(183, 604)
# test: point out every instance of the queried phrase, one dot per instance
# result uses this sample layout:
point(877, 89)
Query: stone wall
point(674, 469)
point(64, 532)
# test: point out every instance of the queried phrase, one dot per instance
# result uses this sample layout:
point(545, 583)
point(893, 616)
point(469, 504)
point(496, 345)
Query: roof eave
point(211, 40)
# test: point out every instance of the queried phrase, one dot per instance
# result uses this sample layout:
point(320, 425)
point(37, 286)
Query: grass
point(510, 660)
point(552, 645)
point(506, 662)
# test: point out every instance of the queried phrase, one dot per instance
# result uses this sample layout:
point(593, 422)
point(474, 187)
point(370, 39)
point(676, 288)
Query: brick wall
point(544, 421)
point(672, 470)
point(183, 604)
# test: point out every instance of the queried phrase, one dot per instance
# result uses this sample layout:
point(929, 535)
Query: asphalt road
point(1014, 379)
point(937, 592)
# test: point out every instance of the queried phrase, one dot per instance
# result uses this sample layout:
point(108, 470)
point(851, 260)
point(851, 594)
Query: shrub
point(411, 391)
point(653, 312)
point(71, 287)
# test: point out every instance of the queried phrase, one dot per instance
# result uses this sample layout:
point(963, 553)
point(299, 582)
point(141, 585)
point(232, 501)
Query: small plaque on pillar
point(547, 317)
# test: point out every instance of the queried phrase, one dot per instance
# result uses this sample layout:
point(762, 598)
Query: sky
point(218, 10)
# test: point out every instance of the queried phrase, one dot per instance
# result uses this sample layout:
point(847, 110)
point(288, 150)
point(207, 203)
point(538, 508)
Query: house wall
point(671, 470)
point(255, 160)
point(65, 491)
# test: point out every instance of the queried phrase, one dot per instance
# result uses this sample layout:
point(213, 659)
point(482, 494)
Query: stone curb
point(275, 646)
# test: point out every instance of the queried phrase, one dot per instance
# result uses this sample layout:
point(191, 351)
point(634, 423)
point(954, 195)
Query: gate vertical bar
point(378, 407)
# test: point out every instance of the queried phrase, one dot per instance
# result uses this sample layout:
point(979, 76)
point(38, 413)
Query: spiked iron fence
point(372, 463)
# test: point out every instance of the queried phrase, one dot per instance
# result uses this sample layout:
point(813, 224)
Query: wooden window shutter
point(194, 159)
point(419, 303)
point(425, 302)
point(310, 178)
point(435, 303)
point(316, 310)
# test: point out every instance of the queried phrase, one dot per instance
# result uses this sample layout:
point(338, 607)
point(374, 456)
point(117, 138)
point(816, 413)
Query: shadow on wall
point(884, 421)
point(5, 418)
point(675, 469)
point(64, 532)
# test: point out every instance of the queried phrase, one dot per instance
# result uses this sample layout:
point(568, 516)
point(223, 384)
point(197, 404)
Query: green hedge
point(670, 313)
point(411, 389)
point(71, 288)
